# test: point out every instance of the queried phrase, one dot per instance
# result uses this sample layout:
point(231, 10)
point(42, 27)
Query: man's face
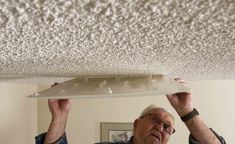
point(150, 128)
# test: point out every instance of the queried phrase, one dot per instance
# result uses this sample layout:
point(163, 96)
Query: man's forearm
point(55, 131)
point(200, 131)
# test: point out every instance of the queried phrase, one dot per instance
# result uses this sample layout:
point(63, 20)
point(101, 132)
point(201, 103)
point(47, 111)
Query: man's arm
point(192, 140)
point(182, 103)
point(59, 109)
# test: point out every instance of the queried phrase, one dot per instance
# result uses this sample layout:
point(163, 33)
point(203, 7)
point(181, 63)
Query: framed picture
point(114, 132)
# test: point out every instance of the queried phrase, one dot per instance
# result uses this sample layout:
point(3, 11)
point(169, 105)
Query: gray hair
point(150, 107)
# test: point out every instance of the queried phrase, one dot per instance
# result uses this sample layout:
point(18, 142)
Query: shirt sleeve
point(41, 138)
point(192, 140)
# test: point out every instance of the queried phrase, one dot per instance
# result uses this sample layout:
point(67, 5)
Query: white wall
point(213, 99)
point(18, 114)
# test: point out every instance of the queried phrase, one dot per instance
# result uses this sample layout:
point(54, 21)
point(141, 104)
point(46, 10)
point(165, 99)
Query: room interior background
point(23, 118)
point(42, 42)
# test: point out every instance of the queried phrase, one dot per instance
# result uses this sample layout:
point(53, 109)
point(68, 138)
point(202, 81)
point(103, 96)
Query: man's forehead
point(160, 112)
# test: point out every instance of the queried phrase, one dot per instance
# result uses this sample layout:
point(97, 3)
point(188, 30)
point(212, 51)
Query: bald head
point(154, 107)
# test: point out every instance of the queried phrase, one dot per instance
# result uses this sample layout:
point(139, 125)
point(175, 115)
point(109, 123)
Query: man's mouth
point(156, 136)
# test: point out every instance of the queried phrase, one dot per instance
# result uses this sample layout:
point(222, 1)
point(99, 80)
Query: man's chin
point(153, 140)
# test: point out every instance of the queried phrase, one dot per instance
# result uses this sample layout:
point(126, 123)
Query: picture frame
point(113, 132)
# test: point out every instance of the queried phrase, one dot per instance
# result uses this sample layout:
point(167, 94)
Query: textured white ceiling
point(43, 40)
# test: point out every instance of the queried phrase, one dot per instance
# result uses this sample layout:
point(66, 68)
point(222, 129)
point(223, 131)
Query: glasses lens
point(167, 128)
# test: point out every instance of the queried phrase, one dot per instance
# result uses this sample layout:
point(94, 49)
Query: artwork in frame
point(115, 132)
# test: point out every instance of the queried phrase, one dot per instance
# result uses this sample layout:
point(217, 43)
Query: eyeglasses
point(167, 128)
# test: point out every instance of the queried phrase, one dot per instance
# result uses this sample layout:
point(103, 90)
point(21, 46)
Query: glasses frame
point(160, 122)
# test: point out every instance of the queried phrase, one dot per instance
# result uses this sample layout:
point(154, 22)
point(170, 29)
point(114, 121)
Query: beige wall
point(18, 114)
point(213, 99)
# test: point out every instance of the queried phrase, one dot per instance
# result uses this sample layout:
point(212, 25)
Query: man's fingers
point(52, 100)
point(66, 103)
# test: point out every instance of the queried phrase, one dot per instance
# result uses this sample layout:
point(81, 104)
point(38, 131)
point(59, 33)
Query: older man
point(155, 125)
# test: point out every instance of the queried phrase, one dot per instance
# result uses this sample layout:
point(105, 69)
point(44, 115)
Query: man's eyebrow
point(166, 121)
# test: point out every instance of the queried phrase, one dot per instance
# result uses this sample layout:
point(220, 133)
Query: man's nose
point(159, 127)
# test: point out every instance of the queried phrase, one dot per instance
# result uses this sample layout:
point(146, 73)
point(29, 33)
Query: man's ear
point(135, 125)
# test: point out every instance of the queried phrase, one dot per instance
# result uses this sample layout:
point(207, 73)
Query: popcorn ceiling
point(67, 38)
